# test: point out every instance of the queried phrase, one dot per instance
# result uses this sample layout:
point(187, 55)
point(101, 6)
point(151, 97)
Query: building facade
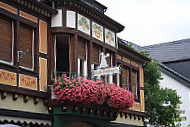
point(41, 40)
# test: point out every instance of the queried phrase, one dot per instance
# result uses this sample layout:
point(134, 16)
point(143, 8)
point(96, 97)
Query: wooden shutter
point(82, 48)
point(96, 54)
point(133, 82)
point(25, 44)
point(125, 77)
point(5, 39)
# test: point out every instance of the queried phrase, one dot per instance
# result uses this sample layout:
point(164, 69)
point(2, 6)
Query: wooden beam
point(73, 53)
point(89, 59)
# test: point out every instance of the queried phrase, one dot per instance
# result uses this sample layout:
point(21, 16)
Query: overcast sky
point(150, 22)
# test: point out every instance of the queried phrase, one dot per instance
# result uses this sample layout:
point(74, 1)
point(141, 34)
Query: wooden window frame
point(13, 41)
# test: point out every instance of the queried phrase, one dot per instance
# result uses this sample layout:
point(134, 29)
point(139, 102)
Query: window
point(125, 78)
point(6, 39)
point(96, 54)
point(26, 42)
point(82, 57)
point(135, 84)
point(81, 67)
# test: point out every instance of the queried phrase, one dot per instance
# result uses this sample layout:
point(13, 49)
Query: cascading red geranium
point(89, 91)
point(118, 97)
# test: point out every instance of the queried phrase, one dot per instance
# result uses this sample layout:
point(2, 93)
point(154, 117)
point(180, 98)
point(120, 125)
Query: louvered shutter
point(125, 77)
point(95, 54)
point(25, 43)
point(5, 39)
point(133, 82)
point(82, 48)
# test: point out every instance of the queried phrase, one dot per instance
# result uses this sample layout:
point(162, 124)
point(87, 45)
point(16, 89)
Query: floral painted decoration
point(109, 36)
point(97, 30)
point(91, 92)
point(84, 24)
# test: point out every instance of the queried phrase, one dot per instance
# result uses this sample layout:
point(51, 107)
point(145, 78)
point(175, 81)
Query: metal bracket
point(20, 54)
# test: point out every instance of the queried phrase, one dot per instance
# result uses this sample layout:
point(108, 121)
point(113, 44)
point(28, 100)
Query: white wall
point(182, 91)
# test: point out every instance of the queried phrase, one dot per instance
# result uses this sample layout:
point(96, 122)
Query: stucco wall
point(19, 105)
point(182, 91)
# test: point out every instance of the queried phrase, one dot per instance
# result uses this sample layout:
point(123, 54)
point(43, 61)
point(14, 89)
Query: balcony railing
point(70, 75)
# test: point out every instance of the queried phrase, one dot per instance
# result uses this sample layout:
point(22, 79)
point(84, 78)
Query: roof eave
point(133, 51)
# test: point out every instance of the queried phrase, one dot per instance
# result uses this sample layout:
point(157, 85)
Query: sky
point(149, 22)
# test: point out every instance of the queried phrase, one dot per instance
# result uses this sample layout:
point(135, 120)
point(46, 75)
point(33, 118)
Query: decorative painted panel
point(43, 74)
point(97, 31)
point(142, 101)
point(83, 24)
point(136, 106)
point(28, 16)
point(8, 78)
point(134, 64)
point(9, 8)
point(28, 82)
point(110, 37)
point(56, 20)
point(43, 36)
point(126, 60)
point(141, 77)
point(71, 19)
point(118, 57)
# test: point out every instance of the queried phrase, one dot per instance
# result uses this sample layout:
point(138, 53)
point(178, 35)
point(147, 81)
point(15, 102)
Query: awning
point(8, 125)
point(24, 120)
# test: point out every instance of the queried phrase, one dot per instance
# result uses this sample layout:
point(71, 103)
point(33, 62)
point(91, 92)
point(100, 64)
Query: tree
point(161, 103)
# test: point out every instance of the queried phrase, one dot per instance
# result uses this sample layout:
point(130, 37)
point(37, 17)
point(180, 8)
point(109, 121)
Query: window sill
point(28, 71)
point(4, 65)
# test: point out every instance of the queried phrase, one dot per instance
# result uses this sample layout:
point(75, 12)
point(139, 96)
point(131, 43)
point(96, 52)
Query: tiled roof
point(171, 51)
point(174, 74)
point(173, 57)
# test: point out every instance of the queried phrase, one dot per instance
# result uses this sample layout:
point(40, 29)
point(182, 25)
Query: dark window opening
point(81, 67)
point(62, 53)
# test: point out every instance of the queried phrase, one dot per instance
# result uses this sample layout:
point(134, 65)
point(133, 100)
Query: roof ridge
point(179, 41)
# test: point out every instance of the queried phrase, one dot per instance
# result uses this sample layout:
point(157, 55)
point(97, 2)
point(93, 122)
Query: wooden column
point(130, 79)
point(50, 52)
point(114, 64)
point(16, 41)
point(73, 53)
point(89, 59)
point(51, 61)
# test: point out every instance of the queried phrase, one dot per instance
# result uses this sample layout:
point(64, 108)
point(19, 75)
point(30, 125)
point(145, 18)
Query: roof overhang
point(174, 74)
point(122, 46)
point(22, 120)
point(89, 10)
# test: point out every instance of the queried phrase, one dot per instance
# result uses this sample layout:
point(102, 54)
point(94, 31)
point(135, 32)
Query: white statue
point(103, 62)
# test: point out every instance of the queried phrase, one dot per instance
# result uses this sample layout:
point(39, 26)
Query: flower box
point(88, 92)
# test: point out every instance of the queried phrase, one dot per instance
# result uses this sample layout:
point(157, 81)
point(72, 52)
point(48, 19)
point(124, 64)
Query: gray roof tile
point(170, 51)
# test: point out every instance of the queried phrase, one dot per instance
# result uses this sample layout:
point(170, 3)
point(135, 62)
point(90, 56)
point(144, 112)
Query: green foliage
point(156, 98)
